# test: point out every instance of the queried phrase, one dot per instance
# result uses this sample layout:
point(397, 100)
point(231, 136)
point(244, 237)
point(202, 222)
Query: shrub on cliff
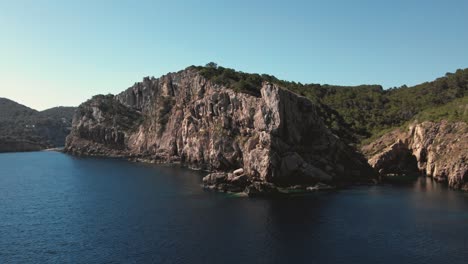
point(358, 112)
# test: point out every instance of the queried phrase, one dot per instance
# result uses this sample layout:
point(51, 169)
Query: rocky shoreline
point(276, 137)
point(268, 140)
point(435, 149)
point(238, 182)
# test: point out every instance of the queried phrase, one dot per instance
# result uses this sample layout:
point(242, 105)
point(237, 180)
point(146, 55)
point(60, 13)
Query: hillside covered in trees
point(23, 128)
point(360, 112)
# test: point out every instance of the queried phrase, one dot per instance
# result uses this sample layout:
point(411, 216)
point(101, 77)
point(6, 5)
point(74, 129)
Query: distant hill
point(10, 110)
point(59, 112)
point(25, 129)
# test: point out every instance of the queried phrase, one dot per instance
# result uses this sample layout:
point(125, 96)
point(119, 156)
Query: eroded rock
point(276, 137)
point(215, 178)
point(437, 149)
point(261, 189)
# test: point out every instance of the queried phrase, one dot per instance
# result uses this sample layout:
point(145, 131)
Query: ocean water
point(56, 208)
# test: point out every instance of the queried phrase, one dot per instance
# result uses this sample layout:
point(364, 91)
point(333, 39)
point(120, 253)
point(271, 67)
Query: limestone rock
point(215, 178)
point(276, 137)
point(438, 149)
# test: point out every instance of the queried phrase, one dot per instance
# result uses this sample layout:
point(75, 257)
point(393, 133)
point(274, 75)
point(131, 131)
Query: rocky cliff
point(437, 149)
point(273, 138)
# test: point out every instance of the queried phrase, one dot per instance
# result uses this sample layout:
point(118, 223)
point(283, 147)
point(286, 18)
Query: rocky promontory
point(436, 149)
point(249, 141)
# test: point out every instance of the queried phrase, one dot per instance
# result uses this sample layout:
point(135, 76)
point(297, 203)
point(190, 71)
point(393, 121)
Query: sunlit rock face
point(275, 136)
point(440, 149)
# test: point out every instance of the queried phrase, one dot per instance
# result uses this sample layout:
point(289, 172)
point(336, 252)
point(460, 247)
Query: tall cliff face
point(276, 137)
point(439, 149)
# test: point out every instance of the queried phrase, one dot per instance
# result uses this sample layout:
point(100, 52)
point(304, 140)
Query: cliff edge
point(253, 142)
point(437, 149)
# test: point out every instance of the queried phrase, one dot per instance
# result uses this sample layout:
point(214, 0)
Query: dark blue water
point(55, 208)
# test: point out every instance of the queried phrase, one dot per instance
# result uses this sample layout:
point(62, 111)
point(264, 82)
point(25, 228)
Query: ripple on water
point(60, 209)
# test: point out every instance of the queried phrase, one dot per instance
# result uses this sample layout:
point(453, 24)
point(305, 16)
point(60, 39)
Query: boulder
point(215, 178)
point(261, 189)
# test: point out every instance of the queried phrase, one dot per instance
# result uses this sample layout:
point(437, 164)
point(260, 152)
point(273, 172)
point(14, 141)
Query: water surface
point(56, 208)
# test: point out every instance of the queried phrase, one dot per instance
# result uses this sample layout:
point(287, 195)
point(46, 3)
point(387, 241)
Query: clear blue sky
point(63, 52)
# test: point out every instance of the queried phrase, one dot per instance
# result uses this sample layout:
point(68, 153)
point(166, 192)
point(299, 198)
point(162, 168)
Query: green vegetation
point(457, 110)
point(59, 113)
point(360, 112)
point(21, 123)
point(238, 81)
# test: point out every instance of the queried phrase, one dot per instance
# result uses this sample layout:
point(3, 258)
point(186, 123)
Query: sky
point(63, 52)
